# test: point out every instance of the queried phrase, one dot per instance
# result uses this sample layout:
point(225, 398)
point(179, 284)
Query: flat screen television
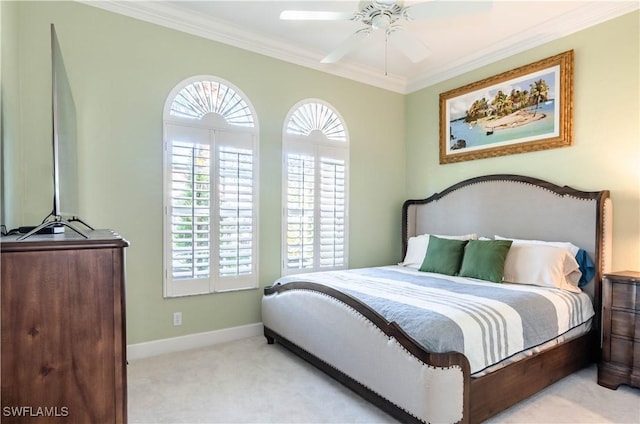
point(65, 150)
point(65, 145)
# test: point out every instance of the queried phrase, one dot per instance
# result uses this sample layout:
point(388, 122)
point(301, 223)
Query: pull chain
point(386, 41)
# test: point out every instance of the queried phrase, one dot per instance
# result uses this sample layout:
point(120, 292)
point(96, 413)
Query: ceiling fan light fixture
point(381, 21)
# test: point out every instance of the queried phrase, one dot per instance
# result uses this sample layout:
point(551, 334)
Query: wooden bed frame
point(507, 205)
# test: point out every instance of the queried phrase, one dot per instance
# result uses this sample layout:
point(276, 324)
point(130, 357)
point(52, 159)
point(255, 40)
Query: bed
point(348, 323)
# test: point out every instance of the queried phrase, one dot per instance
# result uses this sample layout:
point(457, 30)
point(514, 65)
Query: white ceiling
point(458, 43)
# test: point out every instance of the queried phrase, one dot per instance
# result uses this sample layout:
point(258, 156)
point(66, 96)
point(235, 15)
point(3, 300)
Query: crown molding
point(166, 15)
point(589, 15)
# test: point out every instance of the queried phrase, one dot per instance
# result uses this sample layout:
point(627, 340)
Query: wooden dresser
point(620, 362)
point(63, 329)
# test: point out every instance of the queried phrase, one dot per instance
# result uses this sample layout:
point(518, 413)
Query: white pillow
point(542, 265)
point(417, 248)
point(572, 248)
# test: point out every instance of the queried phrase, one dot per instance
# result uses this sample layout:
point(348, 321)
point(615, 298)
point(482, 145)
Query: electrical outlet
point(177, 318)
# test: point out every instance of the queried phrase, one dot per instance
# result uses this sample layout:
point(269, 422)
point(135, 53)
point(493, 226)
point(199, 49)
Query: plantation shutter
point(190, 205)
point(189, 209)
point(332, 213)
point(212, 210)
point(236, 229)
point(300, 211)
point(315, 211)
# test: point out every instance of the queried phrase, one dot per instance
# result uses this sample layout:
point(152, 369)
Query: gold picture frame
point(523, 110)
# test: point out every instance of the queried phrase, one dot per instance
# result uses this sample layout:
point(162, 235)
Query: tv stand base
point(54, 225)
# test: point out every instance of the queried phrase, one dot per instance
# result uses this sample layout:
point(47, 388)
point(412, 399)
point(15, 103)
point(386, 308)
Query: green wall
point(11, 158)
point(121, 71)
point(605, 154)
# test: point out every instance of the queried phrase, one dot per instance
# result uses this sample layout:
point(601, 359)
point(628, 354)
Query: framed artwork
point(523, 110)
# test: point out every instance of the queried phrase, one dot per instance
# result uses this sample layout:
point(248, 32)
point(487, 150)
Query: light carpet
point(249, 381)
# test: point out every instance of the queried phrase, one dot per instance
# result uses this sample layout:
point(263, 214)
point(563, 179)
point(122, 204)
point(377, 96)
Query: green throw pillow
point(484, 259)
point(443, 256)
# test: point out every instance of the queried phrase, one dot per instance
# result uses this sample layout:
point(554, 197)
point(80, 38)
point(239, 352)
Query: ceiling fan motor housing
point(387, 4)
point(380, 14)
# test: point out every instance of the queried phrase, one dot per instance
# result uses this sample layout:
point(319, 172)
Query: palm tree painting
point(520, 110)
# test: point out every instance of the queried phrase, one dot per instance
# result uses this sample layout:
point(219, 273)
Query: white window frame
point(317, 141)
point(216, 131)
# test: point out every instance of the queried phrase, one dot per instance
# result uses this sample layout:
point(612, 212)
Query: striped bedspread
point(487, 322)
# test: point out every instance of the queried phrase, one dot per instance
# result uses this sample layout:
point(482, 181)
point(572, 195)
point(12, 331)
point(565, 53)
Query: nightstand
point(620, 362)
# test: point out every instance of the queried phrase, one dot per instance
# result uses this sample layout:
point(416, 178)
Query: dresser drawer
point(625, 296)
point(620, 362)
point(621, 351)
point(623, 323)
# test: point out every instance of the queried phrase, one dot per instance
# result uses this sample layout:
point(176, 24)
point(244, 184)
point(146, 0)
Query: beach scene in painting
point(514, 111)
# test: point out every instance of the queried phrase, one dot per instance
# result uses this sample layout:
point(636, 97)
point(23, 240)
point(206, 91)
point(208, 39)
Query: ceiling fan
point(387, 15)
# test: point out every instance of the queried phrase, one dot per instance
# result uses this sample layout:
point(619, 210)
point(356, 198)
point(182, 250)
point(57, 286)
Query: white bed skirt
point(343, 338)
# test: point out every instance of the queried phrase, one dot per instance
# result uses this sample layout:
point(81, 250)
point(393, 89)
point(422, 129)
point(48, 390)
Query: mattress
point(490, 323)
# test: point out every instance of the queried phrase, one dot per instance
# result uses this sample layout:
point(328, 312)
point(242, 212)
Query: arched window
point(210, 187)
point(315, 189)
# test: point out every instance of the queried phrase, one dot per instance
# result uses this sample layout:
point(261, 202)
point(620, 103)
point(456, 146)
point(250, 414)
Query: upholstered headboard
point(519, 207)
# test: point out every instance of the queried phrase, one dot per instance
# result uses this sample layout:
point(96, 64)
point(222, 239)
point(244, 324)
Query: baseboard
point(192, 341)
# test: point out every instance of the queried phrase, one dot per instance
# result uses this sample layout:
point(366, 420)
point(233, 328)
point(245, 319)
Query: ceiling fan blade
point(443, 9)
point(310, 15)
point(347, 45)
point(409, 45)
